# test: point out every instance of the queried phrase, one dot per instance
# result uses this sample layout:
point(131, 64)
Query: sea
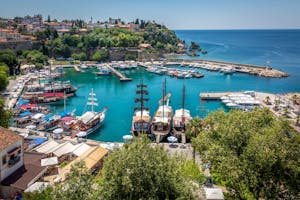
point(278, 48)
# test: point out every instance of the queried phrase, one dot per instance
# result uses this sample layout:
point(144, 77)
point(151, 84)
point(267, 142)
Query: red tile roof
point(8, 138)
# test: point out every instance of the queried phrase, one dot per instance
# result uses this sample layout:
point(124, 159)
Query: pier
point(264, 71)
point(215, 95)
point(122, 77)
point(76, 68)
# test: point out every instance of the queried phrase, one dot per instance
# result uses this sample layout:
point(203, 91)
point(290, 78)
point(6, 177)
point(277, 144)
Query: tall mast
point(92, 99)
point(183, 99)
point(163, 97)
point(142, 92)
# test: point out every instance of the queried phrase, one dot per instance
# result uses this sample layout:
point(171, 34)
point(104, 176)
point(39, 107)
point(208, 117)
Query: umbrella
point(31, 127)
point(172, 139)
point(58, 131)
point(127, 137)
point(81, 134)
point(110, 146)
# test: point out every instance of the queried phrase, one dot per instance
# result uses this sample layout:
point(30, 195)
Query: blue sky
point(176, 14)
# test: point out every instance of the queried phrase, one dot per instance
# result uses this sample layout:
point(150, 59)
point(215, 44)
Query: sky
point(175, 14)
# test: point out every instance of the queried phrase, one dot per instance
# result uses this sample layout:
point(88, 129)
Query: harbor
point(89, 78)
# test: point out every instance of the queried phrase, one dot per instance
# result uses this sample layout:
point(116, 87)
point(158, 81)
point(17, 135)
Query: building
point(19, 169)
point(11, 152)
point(114, 21)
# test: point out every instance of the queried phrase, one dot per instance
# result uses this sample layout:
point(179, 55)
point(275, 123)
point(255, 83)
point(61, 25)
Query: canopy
point(38, 141)
point(214, 193)
point(37, 186)
point(22, 102)
point(53, 94)
point(48, 117)
point(24, 114)
point(66, 119)
point(81, 134)
point(28, 106)
point(58, 131)
point(172, 139)
point(38, 116)
point(31, 127)
point(49, 161)
point(127, 137)
point(65, 113)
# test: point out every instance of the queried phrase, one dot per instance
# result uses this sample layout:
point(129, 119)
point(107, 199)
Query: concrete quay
point(264, 71)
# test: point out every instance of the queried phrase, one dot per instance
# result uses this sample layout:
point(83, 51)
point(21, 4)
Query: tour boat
point(141, 120)
point(180, 119)
point(91, 120)
point(162, 120)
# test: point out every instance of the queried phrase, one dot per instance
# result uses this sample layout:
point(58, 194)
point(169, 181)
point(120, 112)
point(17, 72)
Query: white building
point(11, 152)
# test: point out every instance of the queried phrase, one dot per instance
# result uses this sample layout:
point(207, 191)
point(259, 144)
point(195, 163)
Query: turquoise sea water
point(280, 47)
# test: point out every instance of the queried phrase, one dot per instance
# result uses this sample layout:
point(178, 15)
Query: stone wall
point(19, 45)
point(119, 53)
point(145, 56)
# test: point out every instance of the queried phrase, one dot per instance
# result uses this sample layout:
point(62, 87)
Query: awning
point(49, 161)
point(14, 150)
point(37, 186)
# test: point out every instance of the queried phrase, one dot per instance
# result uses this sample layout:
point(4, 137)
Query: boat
point(83, 66)
point(141, 120)
point(103, 71)
point(227, 70)
point(162, 120)
point(180, 119)
point(91, 120)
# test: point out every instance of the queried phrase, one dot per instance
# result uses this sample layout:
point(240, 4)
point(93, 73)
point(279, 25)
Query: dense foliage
point(254, 154)
point(137, 171)
point(4, 114)
point(9, 58)
point(80, 185)
point(140, 171)
point(159, 37)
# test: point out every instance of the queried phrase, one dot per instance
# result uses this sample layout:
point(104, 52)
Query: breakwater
point(264, 71)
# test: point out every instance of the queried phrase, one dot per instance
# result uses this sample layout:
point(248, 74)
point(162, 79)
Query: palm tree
point(276, 102)
point(285, 111)
point(297, 120)
point(267, 99)
point(194, 127)
point(294, 98)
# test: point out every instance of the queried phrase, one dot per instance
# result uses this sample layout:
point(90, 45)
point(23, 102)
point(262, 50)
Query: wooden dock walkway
point(77, 69)
point(122, 77)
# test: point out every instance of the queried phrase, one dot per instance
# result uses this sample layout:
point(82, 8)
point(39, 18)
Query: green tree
point(9, 58)
point(194, 127)
point(141, 171)
point(79, 56)
point(3, 80)
point(253, 154)
point(4, 115)
point(80, 185)
point(130, 56)
point(100, 55)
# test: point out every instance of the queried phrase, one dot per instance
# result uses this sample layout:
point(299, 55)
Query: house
point(11, 152)
point(144, 46)
point(114, 21)
point(19, 169)
point(213, 193)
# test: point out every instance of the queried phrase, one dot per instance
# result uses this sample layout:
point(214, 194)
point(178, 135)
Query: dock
point(215, 95)
point(77, 69)
point(265, 71)
point(122, 77)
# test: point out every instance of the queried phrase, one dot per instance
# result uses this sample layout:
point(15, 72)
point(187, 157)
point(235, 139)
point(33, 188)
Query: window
point(4, 160)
